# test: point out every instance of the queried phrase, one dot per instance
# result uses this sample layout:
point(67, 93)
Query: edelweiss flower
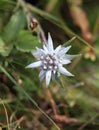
point(51, 61)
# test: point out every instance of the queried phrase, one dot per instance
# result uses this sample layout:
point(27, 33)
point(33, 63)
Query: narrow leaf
point(69, 42)
point(59, 81)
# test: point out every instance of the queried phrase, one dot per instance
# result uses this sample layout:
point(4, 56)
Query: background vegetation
point(25, 103)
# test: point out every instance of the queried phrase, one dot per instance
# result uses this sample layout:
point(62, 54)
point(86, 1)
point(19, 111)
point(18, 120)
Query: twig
point(6, 115)
point(76, 85)
point(84, 125)
point(53, 105)
point(30, 16)
point(43, 36)
point(18, 122)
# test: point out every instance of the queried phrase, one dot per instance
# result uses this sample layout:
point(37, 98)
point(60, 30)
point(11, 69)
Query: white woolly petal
point(50, 43)
point(36, 54)
point(64, 71)
point(40, 51)
point(65, 61)
point(57, 49)
point(53, 76)
point(64, 50)
point(42, 75)
point(33, 52)
point(45, 49)
point(34, 65)
point(48, 77)
point(70, 57)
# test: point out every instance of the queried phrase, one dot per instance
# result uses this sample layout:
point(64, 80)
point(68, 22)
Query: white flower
point(51, 60)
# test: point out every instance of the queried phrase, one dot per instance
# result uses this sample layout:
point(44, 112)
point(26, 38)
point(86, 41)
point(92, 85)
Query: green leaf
point(4, 49)
point(26, 42)
point(59, 81)
point(70, 57)
point(69, 41)
point(16, 23)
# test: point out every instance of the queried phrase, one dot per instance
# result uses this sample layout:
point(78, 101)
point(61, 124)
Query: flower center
point(50, 62)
